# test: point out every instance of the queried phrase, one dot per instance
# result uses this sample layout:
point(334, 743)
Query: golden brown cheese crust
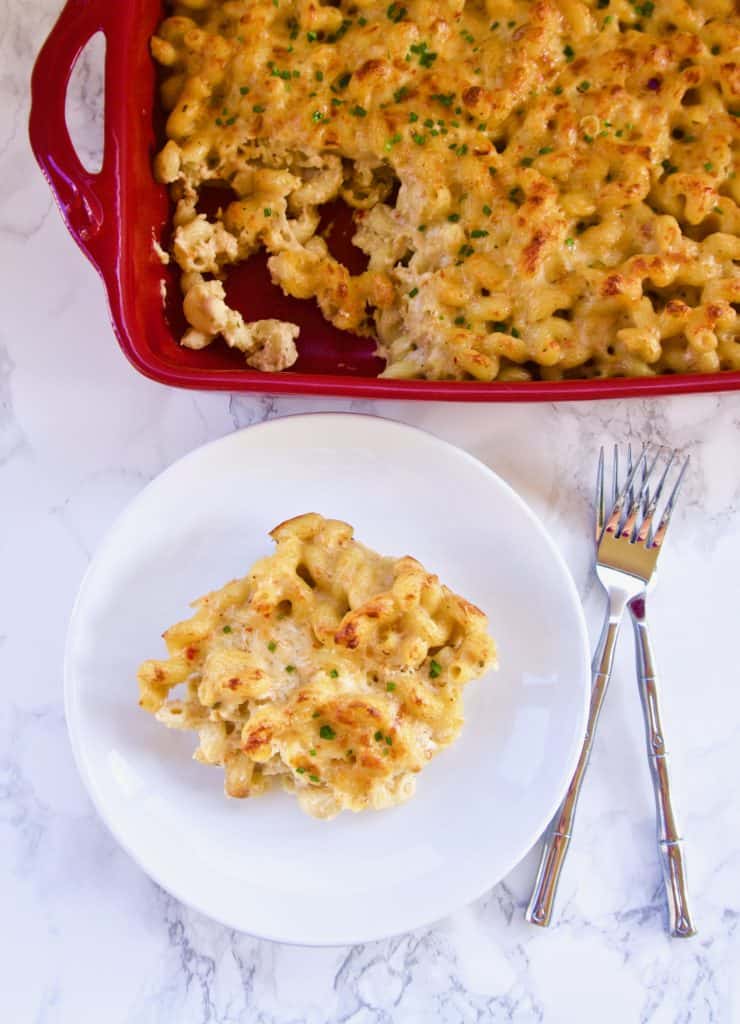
point(329, 667)
point(544, 189)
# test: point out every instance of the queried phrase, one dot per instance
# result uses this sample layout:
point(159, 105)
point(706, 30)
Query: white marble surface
point(86, 937)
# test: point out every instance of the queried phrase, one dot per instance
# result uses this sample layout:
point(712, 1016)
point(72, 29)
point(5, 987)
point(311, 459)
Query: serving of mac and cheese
point(542, 189)
point(329, 669)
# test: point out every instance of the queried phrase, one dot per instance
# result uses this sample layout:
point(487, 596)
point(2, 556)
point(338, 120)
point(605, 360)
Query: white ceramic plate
point(261, 865)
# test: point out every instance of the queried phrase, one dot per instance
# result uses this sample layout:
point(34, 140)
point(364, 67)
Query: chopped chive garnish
point(396, 13)
point(317, 116)
point(390, 687)
point(319, 76)
point(334, 673)
point(314, 778)
point(444, 98)
point(300, 770)
point(227, 629)
point(583, 86)
point(526, 161)
point(544, 150)
point(668, 167)
point(413, 293)
point(454, 218)
point(487, 210)
point(271, 646)
point(413, 117)
point(568, 52)
point(358, 111)
point(434, 668)
point(389, 740)
point(326, 732)
point(570, 242)
point(459, 320)
point(378, 736)
point(400, 94)
point(258, 108)
point(478, 233)
point(290, 668)
point(312, 752)
point(267, 211)
point(311, 36)
point(708, 166)
point(244, 90)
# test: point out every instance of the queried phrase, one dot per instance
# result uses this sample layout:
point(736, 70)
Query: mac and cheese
point(329, 668)
point(543, 189)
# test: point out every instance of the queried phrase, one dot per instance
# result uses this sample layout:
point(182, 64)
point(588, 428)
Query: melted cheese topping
point(543, 189)
point(336, 670)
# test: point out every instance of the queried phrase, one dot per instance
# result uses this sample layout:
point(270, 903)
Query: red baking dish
point(115, 215)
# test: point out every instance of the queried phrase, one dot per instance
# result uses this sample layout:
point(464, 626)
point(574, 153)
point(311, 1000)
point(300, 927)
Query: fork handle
point(558, 834)
point(670, 843)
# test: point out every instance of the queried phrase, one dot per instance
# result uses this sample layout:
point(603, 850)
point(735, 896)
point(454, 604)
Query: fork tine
point(612, 525)
point(600, 511)
point(647, 522)
point(637, 494)
point(615, 475)
point(668, 511)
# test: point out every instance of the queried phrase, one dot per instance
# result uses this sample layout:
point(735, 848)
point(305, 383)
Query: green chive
point(708, 166)
point(390, 687)
point(300, 770)
point(487, 211)
point(583, 86)
point(244, 90)
point(434, 668)
point(358, 111)
point(478, 233)
point(378, 736)
point(271, 646)
point(334, 673)
point(396, 13)
point(454, 218)
point(314, 778)
point(459, 320)
point(569, 53)
point(227, 629)
point(413, 293)
point(267, 211)
point(258, 109)
point(290, 668)
point(570, 242)
point(312, 753)
point(326, 732)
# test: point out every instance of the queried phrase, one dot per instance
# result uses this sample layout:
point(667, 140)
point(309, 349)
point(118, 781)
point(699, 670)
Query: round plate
point(261, 865)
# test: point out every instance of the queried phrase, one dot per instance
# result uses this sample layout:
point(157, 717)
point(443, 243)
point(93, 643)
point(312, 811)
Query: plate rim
point(70, 698)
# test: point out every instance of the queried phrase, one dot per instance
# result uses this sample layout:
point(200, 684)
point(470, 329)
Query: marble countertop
point(87, 937)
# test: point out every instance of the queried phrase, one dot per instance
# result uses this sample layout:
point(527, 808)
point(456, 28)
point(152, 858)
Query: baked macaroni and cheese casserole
point(329, 669)
point(542, 189)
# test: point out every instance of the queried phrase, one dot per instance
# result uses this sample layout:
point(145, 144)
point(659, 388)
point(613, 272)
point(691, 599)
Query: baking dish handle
point(84, 199)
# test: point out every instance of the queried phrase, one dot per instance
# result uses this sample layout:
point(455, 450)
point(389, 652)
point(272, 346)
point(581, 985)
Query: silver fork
point(627, 553)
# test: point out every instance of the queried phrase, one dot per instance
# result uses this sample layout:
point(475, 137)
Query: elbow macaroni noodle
point(329, 668)
point(543, 189)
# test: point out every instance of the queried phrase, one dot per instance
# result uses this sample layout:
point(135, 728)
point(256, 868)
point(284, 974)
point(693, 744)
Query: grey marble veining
point(86, 936)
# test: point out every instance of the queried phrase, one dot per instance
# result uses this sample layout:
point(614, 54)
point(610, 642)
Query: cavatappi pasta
point(543, 189)
point(329, 668)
